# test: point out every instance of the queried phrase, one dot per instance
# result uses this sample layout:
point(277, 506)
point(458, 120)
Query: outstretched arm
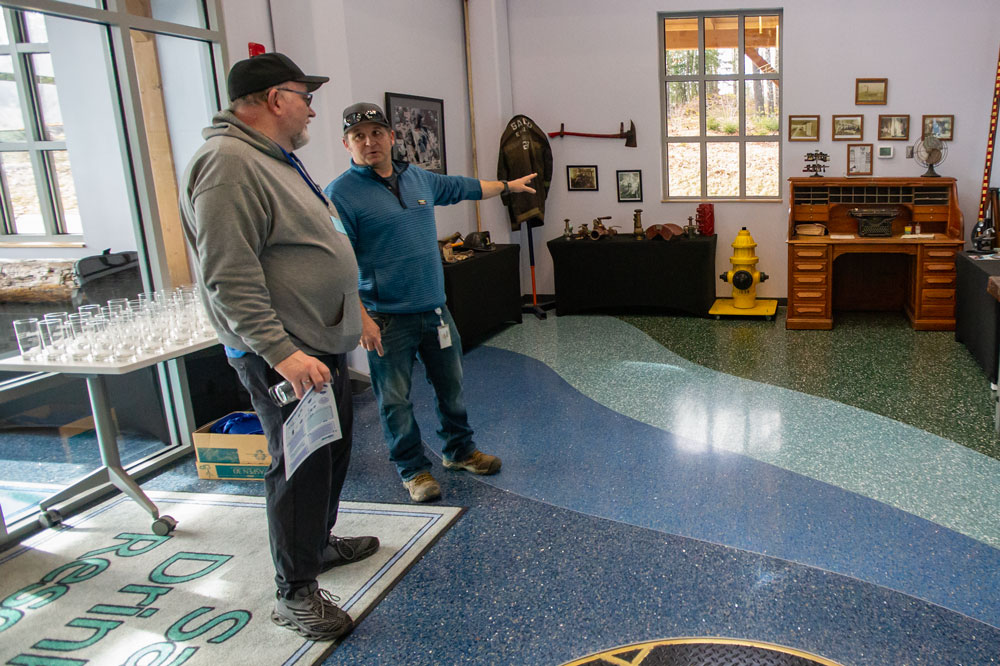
point(492, 188)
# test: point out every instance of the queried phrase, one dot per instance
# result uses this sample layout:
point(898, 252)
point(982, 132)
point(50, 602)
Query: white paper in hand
point(314, 423)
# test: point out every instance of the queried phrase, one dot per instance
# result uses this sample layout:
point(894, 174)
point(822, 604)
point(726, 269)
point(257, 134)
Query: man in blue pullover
point(387, 209)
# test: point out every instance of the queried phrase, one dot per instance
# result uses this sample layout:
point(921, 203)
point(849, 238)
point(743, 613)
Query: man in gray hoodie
point(279, 282)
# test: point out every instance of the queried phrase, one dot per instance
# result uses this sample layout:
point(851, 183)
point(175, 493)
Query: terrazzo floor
point(742, 482)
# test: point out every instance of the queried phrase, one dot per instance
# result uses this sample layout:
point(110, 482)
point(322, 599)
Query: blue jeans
point(406, 337)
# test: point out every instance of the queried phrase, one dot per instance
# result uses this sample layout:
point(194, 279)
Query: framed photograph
point(419, 126)
point(943, 127)
point(894, 128)
point(581, 177)
point(885, 152)
point(859, 159)
point(848, 128)
point(871, 91)
point(629, 185)
point(803, 128)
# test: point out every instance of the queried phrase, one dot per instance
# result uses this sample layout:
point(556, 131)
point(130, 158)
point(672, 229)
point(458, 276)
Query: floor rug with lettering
point(103, 589)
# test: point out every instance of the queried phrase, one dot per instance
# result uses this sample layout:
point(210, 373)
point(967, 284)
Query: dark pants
point(302, 510)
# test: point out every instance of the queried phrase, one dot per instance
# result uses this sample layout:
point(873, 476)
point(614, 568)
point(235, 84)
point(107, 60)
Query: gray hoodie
point(275, 274)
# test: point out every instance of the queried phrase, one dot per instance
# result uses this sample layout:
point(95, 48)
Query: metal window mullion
point(703, 106)
point(7, 201)
point(741, 101)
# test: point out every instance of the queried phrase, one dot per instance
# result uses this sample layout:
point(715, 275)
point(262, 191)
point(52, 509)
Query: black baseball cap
point(364, 112)
point(266, 70)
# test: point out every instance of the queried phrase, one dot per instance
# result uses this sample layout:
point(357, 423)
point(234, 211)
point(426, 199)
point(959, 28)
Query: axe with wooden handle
point(629, 136)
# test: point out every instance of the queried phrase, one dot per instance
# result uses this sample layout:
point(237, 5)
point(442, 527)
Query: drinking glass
point(54, 339)
point(29, 338)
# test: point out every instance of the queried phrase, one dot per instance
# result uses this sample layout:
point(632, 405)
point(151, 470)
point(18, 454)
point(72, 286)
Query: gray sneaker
point(312, 613)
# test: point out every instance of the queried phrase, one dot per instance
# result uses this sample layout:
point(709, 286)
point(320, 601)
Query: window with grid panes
point(37, 192)
point(722, 105)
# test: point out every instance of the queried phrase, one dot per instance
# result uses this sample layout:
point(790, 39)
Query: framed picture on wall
point(859, 159)
point(581, 177)
point(848, 128)
point(629, 185)
point(803, 128)
point(943, 127)
point(419, 126)
point(894, 128)
point(871, 91)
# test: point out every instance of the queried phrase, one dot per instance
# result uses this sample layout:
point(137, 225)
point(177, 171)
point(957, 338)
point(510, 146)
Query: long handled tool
point(629, 136)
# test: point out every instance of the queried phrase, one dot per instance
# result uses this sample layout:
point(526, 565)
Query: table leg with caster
point(107, 440)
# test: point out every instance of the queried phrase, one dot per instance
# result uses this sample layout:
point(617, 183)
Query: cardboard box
point(229, 457)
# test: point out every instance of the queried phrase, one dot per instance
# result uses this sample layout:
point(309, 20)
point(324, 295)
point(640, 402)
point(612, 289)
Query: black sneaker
point(347, 550)
point(312, 614)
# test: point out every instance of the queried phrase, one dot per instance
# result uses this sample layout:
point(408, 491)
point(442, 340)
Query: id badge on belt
point(444, 332)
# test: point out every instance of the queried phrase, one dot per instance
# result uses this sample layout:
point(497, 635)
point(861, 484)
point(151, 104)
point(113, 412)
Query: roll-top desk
point(928, 283)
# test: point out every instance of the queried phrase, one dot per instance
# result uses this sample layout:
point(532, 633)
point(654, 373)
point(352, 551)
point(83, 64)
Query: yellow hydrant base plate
point(763, 308)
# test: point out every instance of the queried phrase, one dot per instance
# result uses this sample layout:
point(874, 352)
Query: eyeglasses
point(355, 118)
point(308, 96)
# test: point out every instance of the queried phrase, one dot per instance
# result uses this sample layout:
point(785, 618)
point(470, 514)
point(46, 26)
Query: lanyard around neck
point(297, 163)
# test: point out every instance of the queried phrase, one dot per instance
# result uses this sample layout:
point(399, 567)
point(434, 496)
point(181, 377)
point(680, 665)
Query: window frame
point(741, 77)
point(38, 148)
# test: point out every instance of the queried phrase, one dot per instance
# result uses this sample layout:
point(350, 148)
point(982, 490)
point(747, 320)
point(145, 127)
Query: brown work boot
point(477, 463)
point(423, 487)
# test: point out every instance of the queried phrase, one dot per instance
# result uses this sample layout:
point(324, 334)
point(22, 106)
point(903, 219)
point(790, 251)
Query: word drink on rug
point(100, 590)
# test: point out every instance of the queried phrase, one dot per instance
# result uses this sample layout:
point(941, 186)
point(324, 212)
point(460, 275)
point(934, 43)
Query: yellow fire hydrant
point(744, 277)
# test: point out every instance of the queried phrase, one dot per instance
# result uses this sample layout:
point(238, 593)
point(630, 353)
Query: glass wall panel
point(762, 108)
point(761, 44)
point(684, 169)
point(185, 12)
point(48, 97)
point(11, 118)
point(723, 168)
point(19, 175)
point(34, 27)
point(722, 45)
point(763, 169)
point(722, 110)
point(66, 191)
point(680, 39)
point(683, 109)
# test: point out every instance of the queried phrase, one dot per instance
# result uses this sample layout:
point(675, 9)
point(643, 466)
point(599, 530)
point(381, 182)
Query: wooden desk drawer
point(937, 296)
point(811, 252)
point(811, 213)
point(810, 267)
point(936, 210)
point(940, 253)
point(809, 280)
point(942, 311)
point(921, 216)
point(937, 266)
point(815, 310)
point(806, 295)
point(940, 281)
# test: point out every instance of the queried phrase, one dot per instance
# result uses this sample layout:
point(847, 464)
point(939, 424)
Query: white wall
point(592, 64)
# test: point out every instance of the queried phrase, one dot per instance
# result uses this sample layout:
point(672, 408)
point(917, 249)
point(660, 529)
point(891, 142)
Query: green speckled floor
point(873, 361)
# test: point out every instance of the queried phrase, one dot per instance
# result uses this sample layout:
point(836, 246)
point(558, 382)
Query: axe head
point(630, 135)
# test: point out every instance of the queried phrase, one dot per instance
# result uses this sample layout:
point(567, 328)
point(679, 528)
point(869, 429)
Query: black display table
point(977, 314)
point(484, 291)
point(621, 272)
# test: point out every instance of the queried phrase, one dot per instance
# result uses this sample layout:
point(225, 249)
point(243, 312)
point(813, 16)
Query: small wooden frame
point(849, 128)
point(629, 184)
point(894, 127)
point(859, 159)
point(803, 128)
point(943, 127)
point(581, 177)
point(871, 91)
